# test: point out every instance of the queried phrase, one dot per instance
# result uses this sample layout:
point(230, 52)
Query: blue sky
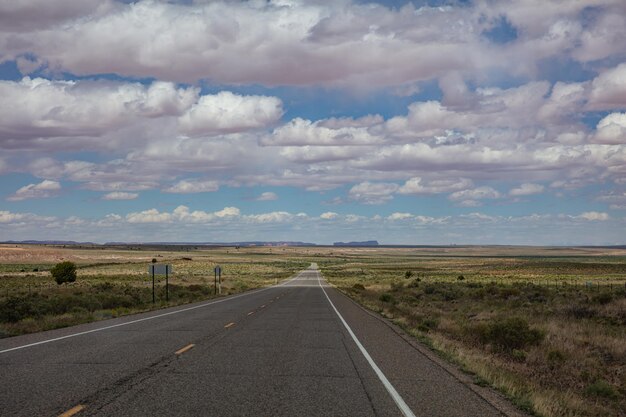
point(409, 123)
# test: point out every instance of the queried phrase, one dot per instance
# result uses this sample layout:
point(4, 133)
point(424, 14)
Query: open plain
point(544, 326)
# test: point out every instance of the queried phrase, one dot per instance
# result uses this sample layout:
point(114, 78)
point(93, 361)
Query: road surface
point(296, 349)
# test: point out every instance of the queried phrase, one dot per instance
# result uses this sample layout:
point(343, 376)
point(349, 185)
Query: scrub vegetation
point(549, 332)
point(106, 282)
point(545, 326)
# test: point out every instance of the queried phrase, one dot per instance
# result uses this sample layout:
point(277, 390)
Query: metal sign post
point(153, 299)
point(160, 269)
point(218, 279)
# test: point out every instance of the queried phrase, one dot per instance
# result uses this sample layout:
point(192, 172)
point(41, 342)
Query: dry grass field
point(545, 326)
point(114, 281)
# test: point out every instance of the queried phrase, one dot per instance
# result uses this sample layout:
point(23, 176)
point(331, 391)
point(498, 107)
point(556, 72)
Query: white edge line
point(143, 319)
point(397, 398)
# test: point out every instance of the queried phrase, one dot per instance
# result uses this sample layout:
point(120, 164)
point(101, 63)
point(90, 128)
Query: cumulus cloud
point(611, 129)
point(608, 90)
point(329, 215)
point(478, 193)
point(193, 186)
point(283, 43)
point(118, 195)
point(417, 185)
point(181, 214)
point(148, 216)
point(331, 132)
point(593, 216)
point(226, 112)
point(267, 196)
point(527, 189)
point(45, 189)
point(272, 217)
point(373, 193)
point(42, 108)
point(399, 216)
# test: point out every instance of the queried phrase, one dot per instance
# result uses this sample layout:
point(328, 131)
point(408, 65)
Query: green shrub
point(460, 278)
point(358, 286)
point(601, 388)
point(508, 334)
point(64, 272)
point(15, 308)
point(408, 274)
point(602, 298)
point(386, 298)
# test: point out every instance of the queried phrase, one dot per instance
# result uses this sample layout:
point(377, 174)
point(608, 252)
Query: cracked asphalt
point(280, 351)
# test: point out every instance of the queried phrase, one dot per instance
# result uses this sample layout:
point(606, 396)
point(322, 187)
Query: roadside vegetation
point(37, 293)
point(550, 333)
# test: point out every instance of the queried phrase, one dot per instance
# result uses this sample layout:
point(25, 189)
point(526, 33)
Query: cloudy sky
point(427, 122)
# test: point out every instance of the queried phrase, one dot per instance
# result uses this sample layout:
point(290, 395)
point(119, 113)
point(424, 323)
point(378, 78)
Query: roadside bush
point(510, 334)
point(408, 274)
point(64, 272)
point(415, 283)
point(601, 388)
point(14, 309)
point(386, 298)
point(358, 286)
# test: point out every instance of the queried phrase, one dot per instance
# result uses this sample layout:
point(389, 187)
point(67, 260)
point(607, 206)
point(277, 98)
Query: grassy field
point(114, 281)
point(549, 331)
point(546, 326)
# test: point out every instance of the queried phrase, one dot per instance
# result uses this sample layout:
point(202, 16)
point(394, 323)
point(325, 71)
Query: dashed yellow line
point(231, 324)
point(185, 349)
point(72, 411)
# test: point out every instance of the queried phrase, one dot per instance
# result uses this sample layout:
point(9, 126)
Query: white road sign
point(160, 269)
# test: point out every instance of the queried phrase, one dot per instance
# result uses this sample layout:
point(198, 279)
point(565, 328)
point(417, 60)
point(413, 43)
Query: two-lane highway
point(296, 349)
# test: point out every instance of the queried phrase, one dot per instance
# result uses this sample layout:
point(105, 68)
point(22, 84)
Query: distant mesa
point(359, 244)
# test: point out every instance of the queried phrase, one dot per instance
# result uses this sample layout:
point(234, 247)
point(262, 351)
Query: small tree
point(64, 272)
point(408, 274)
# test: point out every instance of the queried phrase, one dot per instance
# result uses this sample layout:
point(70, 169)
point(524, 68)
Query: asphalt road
point(297, 349)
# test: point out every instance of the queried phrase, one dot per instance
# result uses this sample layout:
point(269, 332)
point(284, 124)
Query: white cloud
point(593, 216)
point(299, 43)
point(43, 108)
point(329, 215)
point(331, 132)
point(399, 216)
point(45, 189)
point(611, 129)
point(417, 185)
point(527, 189)
point(226, 112)
point(272, 217)
point(149, 216)
point(373, 193)
point(193, 186)
point(608, 90)
point(118, 195)
point(267, 196)
point(478, 193)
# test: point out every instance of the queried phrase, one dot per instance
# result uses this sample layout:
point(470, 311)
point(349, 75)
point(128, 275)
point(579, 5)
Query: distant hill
point(365, 243)
point(46, 242)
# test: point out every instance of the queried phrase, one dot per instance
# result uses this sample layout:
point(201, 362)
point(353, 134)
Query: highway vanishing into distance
point(299, 348)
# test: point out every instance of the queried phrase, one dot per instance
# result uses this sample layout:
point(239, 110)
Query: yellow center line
point(231, 324)
point(73, 410)
point(251, 313)
point(185, 349)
